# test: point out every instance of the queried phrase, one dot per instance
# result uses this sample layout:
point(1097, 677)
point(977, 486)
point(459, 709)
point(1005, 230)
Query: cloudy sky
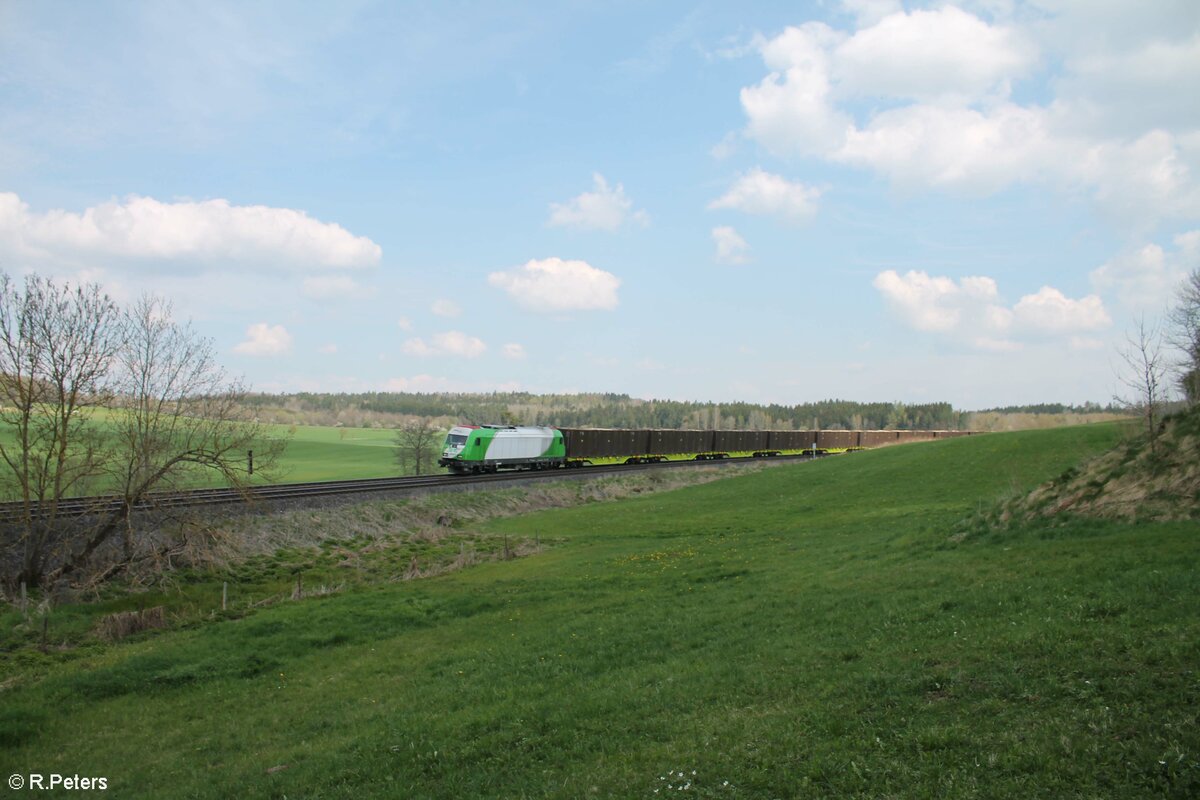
point(862, 199)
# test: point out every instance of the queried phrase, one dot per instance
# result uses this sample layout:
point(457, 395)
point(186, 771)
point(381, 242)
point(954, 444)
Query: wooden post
point(250, 460)
point(224, 594)
point(299, 586)
point(506, 555)
point(24, 602)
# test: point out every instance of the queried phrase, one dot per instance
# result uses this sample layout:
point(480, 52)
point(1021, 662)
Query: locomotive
point(488, 448)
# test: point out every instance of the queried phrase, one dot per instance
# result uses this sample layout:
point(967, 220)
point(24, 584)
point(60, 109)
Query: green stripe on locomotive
point(477, 444)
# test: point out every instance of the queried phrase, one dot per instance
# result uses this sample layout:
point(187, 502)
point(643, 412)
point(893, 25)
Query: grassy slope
point(807, 631)
point(328, 454)
point(314, 454)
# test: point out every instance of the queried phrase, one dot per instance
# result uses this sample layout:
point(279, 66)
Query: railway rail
point(84, 506)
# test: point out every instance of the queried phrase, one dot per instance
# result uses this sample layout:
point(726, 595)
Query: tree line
point(388, 409)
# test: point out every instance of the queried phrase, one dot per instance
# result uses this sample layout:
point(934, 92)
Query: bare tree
point(1183, 332)
point(178, 419)
point(1145, 374)
point(57, 346)
point(416, 446)
point(120, 405)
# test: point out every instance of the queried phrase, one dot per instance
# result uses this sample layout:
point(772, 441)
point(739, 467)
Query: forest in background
point(606, 410)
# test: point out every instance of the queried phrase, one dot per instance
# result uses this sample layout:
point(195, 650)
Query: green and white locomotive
point(487, 448)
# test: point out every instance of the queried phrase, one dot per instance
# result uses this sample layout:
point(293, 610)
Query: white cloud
point(324, 287)
point(791, 111)
point(513, 351)
point(936, 54)
point(554, 285)
point(1113, 125)
point(404, 324)
point(759, 192)
point(1146, 279)
point(731, 247)
point(445, 308)
point(604, 209)
point(938, 303)
point(1051, 311)
point(328, 349)
point(450, 343)
point(265, 340)
point(186, 233)
point(953, 147)
point(971, 309)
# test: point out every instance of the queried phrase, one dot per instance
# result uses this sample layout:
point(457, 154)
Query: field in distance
point(813, 630)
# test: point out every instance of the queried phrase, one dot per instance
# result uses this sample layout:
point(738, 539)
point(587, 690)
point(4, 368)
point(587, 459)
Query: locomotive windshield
point(455, 439)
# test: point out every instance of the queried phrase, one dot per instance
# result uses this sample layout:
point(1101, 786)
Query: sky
point(968, 202)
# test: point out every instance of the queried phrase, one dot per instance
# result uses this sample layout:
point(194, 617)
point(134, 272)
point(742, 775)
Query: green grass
point(807, 631)
point(312, 453)
point(328, 454)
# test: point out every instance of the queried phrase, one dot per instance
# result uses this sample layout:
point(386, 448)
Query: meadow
point(832, 629)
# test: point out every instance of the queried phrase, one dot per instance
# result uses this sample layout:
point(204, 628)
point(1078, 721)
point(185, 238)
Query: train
point(490, 448)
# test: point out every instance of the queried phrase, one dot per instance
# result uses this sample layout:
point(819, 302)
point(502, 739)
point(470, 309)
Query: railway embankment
point(1139, 479)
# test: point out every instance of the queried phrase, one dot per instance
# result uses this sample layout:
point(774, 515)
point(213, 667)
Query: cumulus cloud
point(1051, 311)
point(553, 285)
point(451, 343)
point(446, 308)
point(265, 340)
point(604, 209)
point(513, 351)
point(937, 303)
point(971, 309)
point(731, 247)
point(938, 55)
point(404, 324)
point(186, 233)
point(1146, 278)
point(791, 111)
point(759, 192)
point(952, 147)
point(1113, 126)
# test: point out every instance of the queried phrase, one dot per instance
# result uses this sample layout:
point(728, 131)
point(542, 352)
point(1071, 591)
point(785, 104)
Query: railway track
point(83, 506)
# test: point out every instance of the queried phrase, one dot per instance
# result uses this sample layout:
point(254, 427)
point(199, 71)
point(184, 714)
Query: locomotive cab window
point(456, 439)
point(477, 441)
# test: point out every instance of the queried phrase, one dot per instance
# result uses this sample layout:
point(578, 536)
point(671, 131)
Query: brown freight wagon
point(604, 442)
point(740, 441)
point(672, 442)
point(829, 440)
point(877, 438)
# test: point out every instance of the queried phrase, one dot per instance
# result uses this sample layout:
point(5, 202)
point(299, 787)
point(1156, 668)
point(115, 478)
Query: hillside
point(807, 631)
point(1134, 480)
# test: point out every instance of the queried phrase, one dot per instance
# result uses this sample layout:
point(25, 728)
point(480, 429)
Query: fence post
point(224, 593)
point(24, 602)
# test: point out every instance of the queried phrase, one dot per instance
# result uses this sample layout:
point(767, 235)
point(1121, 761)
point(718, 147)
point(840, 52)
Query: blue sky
point(967, 202)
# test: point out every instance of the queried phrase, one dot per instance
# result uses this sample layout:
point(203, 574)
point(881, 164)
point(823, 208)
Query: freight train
point(488, 448)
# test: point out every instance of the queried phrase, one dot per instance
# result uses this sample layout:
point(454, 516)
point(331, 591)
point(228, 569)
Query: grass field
point(329, 454)
point(813, 630)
